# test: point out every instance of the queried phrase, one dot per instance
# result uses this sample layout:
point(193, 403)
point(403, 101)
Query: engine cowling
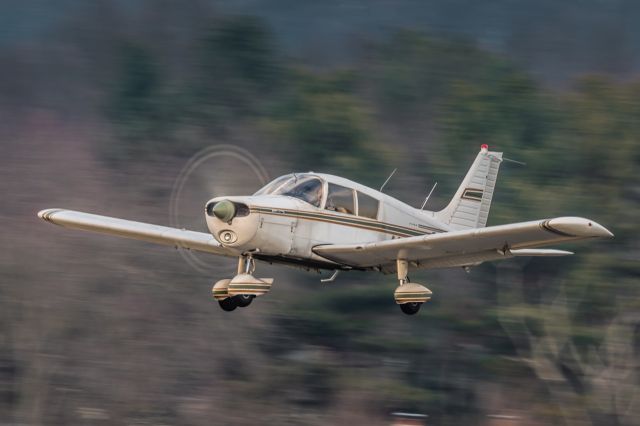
point(231, 222)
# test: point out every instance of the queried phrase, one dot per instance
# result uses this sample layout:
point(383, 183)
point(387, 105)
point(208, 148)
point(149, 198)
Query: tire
point(410, 308)
point(243, 300)
point(228, 304)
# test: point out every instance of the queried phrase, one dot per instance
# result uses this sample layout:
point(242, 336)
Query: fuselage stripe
point(355, 222)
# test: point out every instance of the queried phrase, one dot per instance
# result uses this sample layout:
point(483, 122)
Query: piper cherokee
point(322, 222)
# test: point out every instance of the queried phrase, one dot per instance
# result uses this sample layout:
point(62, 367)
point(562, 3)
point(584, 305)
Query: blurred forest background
point(102, 104)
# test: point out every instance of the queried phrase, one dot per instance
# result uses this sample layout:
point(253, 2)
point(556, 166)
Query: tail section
point(469, 208)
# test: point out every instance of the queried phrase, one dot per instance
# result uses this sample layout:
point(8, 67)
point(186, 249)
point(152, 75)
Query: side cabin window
point(340, 199)
point(367, 206)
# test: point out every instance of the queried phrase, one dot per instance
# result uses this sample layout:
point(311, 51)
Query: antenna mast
point(386, 181)
point(430, 192)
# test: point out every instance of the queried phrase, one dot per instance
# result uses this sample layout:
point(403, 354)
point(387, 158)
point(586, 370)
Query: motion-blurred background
point(103, 104)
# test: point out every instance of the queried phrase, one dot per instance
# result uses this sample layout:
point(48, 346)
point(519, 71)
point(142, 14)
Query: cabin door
point(280, 230)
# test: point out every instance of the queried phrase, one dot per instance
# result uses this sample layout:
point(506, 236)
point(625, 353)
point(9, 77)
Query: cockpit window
point(340, 199)
point(273, 185)
point(304, 187)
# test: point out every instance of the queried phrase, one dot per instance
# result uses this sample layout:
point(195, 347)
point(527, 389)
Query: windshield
point(273, 185)
point(303, 187)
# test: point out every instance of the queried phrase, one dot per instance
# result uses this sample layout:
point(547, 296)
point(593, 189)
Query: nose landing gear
point(240, 301)
point(410, 296)
point(240, 290)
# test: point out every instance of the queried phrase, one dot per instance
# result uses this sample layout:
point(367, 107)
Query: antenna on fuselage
point(389, 178)
point(427, 199)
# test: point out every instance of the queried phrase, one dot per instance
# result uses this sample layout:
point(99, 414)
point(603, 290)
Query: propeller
point(217, 170)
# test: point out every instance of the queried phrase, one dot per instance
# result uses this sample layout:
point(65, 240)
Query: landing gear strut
point(410, 296)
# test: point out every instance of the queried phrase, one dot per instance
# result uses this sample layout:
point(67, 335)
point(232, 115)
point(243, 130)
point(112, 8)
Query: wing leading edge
point(199, 241)
point(467, 247)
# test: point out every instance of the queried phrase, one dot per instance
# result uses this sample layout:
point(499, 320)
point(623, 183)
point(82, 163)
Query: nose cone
point(224, 210)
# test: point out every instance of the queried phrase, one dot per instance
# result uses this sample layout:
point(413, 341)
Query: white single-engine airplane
point(319, 221)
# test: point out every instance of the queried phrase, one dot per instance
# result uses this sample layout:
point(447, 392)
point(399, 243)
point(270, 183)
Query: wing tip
point(577, 226)
point(47, 213)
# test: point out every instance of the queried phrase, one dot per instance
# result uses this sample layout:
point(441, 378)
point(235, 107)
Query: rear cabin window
point(367, 206)
point(340, 199)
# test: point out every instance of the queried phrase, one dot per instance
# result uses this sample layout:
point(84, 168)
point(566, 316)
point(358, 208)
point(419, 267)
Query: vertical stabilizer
point(469, 208)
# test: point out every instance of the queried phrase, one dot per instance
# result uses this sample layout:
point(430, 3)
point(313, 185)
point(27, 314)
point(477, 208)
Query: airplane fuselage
point(285, 229)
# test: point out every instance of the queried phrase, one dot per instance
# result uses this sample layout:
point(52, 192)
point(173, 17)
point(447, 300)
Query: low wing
point(467, 247)
point(199, 241)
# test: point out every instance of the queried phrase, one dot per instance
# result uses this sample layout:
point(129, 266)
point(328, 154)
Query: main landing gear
point(410, 308)
point(410, 296)
point(239, 291)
